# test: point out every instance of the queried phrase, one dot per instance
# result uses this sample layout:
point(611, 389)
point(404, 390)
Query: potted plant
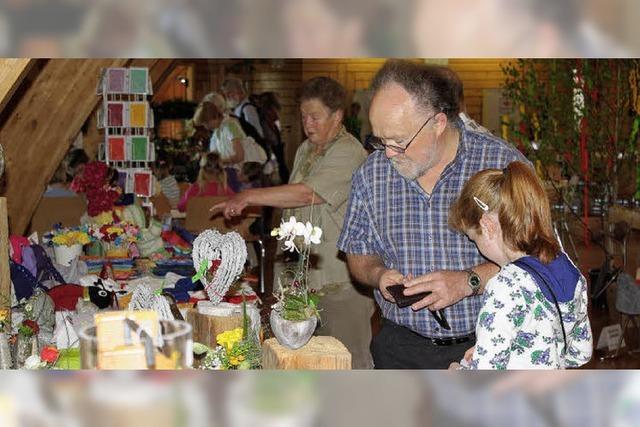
point(68, 242)
point(27, 339)
point(294, 317)
point(237, 349)
point(116, 238)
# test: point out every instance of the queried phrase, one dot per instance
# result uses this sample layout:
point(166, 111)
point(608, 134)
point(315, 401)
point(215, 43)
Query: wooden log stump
point(5, 275)
point(319, 353)
point(206, 327)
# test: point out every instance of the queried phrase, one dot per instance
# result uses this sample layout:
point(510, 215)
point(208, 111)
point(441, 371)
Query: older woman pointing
point(318, 189)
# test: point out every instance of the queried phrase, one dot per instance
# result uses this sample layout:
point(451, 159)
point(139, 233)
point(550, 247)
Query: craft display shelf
point(126, 117)
point(321, 353)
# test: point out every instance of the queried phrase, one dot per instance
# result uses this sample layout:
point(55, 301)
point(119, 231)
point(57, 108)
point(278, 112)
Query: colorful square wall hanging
point(115, 114)
point(142, 183)
point(138, 78)
point(139, 148)
point(116, 148)
point(116, 80)
point(138, 114)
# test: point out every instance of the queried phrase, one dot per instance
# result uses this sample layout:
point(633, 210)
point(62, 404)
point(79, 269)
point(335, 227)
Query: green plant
point(237, 349)
point(579, 114)
point(296, 300)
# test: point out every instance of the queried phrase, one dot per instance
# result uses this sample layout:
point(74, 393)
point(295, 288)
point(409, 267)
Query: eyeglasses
point(377, 143)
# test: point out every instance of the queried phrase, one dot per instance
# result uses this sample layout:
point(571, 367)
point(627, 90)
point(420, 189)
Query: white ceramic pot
point(66, 254)
point(290, 333)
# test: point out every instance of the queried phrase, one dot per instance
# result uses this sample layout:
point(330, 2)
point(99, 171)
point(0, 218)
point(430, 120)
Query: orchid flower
point(290, 246)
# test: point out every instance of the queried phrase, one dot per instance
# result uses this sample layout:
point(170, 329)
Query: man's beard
point(408, 168)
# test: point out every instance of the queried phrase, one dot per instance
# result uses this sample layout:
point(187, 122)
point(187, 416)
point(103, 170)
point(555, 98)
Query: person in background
point(270, 119)
point(352, 122)
point(59, 186)
point(167, 182)
point(227, 137)
point(241, 107)
point(75, 161)
point(534, 314)
point(212, 181)
point(251, 176)
point(318, 190)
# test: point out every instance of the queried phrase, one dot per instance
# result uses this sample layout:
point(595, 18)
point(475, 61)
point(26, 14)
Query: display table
point(630, 215)
point(322, 353)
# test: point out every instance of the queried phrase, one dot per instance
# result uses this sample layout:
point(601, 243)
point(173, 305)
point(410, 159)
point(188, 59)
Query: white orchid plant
point(295, 300)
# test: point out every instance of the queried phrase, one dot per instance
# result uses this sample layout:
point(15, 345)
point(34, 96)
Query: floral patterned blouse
point(518, 328)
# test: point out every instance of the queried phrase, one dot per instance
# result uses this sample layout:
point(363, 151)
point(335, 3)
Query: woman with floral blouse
point(534, 314)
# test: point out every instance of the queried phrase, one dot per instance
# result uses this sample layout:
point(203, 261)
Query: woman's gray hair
point(327, 90)
point(429, 86)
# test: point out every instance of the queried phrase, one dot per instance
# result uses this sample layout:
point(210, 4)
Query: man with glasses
point(396, 228)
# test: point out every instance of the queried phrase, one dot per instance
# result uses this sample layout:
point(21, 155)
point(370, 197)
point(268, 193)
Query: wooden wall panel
point(476, 75)
point(354, 74)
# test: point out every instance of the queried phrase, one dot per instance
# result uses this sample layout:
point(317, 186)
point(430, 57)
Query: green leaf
point(199, 349)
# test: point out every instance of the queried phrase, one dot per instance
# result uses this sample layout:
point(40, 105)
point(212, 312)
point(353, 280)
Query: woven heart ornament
point(218, 260)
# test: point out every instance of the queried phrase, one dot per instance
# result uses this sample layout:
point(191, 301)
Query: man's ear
point(441, 120)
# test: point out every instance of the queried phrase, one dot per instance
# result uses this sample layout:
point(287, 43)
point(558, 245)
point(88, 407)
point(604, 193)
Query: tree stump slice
point(321, 353)
point(206, 328)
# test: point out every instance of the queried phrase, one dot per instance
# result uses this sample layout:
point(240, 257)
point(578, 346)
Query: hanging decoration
point(126, 116)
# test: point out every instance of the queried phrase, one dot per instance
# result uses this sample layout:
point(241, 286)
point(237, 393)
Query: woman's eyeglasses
point(378, 144)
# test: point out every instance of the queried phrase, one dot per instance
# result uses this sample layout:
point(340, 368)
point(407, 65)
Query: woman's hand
point(232, 206)
point(454, 366)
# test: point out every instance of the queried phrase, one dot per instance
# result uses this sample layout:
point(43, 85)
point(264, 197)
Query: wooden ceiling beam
point(42, 127)
point(12, 73)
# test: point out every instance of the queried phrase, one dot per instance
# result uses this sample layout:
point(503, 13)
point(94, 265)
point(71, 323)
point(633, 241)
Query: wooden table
point(322, 353)
point(630, 215)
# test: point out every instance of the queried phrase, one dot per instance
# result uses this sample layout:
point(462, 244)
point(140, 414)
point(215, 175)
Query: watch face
point(474, 280)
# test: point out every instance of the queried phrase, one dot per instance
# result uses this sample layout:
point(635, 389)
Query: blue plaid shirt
point(396, 219)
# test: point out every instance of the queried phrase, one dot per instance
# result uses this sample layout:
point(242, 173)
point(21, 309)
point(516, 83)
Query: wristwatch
point(473, 281)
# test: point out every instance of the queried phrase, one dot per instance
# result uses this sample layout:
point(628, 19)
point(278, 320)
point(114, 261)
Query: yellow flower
point(70, 238)
point(115, 230)
point(60, 240)
point(228, 339)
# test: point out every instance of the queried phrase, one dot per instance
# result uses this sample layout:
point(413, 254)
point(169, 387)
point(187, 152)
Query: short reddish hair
point(517, 195)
